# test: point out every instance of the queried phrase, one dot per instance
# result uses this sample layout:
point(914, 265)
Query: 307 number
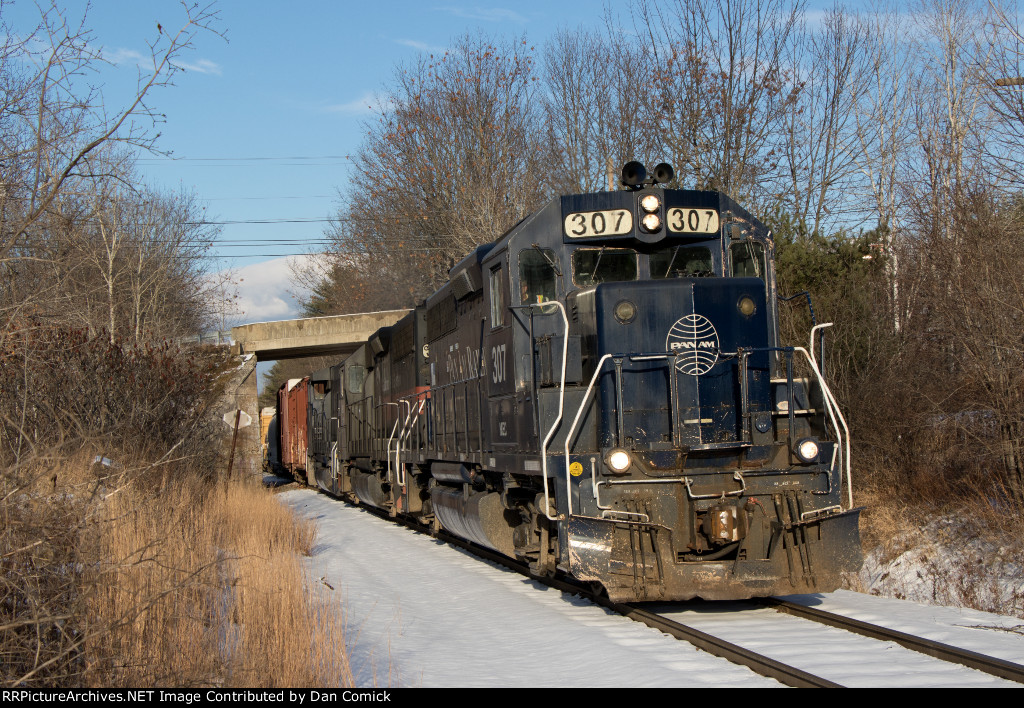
point(692, 221)
point(498, 364)
point(585, 224)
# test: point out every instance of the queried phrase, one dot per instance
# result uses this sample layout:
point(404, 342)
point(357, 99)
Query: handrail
point(407, 428)
point(399, 468)
point(814, 329)
point(334, 462)
point(391, 437)
point(832, 406)
point(576, 420)
point(561, 405)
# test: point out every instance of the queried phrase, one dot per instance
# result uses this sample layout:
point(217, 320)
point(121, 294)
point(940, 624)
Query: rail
point(938, 650)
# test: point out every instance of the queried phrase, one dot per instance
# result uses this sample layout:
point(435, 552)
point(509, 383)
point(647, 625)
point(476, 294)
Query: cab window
point(537, 272)
point(356, 376)
point(497, 300)
point(682, 262)
point(748, 260)
point(591, 266)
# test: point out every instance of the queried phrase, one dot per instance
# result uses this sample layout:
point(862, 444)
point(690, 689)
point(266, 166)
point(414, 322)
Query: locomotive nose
point(676, 380)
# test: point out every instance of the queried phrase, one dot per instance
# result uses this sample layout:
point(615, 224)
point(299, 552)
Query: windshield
point(591, 266)
point(682, 262)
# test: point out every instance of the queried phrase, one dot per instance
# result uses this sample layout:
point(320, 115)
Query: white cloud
point(120, 56)
point(123, 56)
point(485, 14)
point(267, 291)
point(365, 104)
point(203, 66)
point(422, 46)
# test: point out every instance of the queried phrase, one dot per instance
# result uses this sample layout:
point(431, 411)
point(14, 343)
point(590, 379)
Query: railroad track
point(761, 663)
point(734, 652)
point(945, 652)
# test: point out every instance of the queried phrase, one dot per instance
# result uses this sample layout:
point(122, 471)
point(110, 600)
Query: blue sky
point(293, 80)
point(259, 124)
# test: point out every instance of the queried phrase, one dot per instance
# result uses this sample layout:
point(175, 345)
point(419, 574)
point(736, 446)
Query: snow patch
point(951, 565)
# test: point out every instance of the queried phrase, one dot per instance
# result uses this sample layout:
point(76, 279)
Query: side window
point(356, 375)
point(748, 260)
point(537, 275)
point(497, 298)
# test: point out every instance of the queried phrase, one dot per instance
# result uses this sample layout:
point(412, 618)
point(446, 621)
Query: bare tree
point(721, 86)
point(831, 64)
point(949, 117)
point(450, 163)
point(1000, 65)
point(593, 114)
point(53, 121)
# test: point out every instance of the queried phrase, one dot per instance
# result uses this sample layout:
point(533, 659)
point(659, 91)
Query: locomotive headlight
point(807, 449)
point(625, 311)
point(650, 203)
point(619, 460)
point(651, 222)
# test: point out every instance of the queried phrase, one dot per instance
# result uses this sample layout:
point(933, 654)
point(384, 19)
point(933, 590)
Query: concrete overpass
point(311, 336)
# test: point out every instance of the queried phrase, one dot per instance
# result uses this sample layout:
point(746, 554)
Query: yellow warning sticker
point(576, 469)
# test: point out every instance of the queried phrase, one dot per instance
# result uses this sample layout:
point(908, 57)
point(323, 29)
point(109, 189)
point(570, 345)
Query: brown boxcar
point(292, 401)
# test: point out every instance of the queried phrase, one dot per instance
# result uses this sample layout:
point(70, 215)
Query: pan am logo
point(695, 340)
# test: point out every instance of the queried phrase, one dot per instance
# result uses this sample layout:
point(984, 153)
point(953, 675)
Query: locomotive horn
point(663, 173)
point(633, 174)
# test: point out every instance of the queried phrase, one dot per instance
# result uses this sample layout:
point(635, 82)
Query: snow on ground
point(855, 661)
point(1000, 636)
point(421, 613)
point(947, 564)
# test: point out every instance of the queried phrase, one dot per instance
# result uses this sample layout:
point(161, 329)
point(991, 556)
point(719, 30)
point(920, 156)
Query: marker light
point(746, 306)
point(625, 311)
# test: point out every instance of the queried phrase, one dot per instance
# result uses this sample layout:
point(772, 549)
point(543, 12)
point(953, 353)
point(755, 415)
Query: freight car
point(602, 392)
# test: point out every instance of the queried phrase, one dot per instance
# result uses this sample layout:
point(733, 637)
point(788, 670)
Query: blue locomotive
point(601, 391)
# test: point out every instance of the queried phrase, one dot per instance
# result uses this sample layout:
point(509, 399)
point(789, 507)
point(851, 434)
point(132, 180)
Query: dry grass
point(887, 521)
point(164, 581)
point(956, 544)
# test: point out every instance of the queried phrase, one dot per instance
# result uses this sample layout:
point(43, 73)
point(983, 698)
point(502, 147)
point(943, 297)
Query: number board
point(587, 224)
point(683, 220)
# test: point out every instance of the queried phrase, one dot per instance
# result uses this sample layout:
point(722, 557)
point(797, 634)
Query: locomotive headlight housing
point(650, 203)
point(625, 311)
point(807, 449)
point(618, 460)
point(651, 223)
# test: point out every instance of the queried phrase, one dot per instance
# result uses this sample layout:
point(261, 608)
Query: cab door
point(497, 356)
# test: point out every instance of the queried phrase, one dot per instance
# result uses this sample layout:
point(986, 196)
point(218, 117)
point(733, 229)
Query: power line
point(266, 199)
point(231, 222)
point(159, 160)
point(329, 220)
